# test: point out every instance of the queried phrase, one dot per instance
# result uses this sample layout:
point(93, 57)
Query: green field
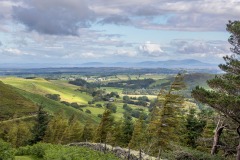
point(119, 114)
point(36, 89)
point(41, 86)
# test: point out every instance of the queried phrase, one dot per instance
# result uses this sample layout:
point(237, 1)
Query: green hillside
point(41, 86)
point(13, 104)
point(19, 102)
point(52, 107)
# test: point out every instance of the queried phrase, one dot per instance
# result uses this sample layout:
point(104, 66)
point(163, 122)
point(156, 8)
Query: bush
point(88, 111)
point(99, 105)
point(195, 155)
point(55, 97)
point(6, 151)
point(57, 152)
point(189, 154)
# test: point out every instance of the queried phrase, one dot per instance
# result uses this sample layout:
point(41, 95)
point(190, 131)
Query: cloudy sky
point(79, 31)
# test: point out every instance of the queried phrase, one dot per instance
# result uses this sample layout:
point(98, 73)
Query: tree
point(88, 131)
point(225, 96)
point(127, 128)
point(115, 136)
point(74, 129)
point(166, 121)
point(40, 126)
point(138, 135)
point(57, 129)
point(18, 134)
point(104, 127)
point(194, 128)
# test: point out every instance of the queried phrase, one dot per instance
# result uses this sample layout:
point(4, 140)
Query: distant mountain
point(93, 64)
point(170, 64)
point(187, 63)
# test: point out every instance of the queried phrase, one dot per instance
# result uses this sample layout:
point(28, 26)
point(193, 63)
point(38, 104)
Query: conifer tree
point(138, 136)
point(88, 131)
point(40, 127)
point(168, 124)
point(225, 96)
point(74, 130)
point(194, 128)
point(115, 136)
point(18, 134)
point(57, 130)
point(104, 127)
point(127, 129)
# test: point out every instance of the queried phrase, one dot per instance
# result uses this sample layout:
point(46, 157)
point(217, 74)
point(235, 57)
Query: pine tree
point(225, 96)
point(169, 121)
point(74, 130)
point(40, 127)
point(138, 137)
point(104, 127)
point(88, 132)
point(57, 130)
point(127, 129)
point(18, 134)
point(115, 136)
point(194, 128)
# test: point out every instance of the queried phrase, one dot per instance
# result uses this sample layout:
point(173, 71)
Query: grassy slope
point(21, 102)
point(40, 86)
point(53, 106)
point(14, 104)
point(67, 93)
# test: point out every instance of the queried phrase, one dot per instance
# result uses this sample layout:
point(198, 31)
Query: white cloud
point(89, 55)
point(124, 53)
point(151, 49)
point(15, 52)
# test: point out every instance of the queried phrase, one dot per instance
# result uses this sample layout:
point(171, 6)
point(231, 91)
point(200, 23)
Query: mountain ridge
point(186, 63)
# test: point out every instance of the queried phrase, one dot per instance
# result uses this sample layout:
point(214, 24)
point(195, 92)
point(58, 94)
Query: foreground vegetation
point(44, 151)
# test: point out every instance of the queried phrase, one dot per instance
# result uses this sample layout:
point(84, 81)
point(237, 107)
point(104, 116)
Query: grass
point(13, 104)
point(27, 158)
point(118, 115)
point(113, 89)
point(36, 89)
point(53, 107)
point(41, 86)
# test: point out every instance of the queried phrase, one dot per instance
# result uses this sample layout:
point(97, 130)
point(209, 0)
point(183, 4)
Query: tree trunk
point(238, 148)
point(218, 132)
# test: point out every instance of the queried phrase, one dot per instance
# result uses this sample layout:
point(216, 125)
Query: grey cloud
point(186, 15)
point(1, 44)
point(200, 47)
point(146, 11)
point(54, 17)
point(116, 19)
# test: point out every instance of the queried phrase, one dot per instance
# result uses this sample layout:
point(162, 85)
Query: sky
point(108, 31)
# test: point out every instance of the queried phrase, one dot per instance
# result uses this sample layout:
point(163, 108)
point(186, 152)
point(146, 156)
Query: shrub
point(88, 111)
point(6, 151)
point(57, 152)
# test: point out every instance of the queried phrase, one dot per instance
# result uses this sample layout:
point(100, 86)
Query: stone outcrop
point(122, 153)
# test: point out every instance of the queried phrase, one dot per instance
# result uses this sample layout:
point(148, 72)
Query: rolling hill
point(13, 104)
point(16, 101)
